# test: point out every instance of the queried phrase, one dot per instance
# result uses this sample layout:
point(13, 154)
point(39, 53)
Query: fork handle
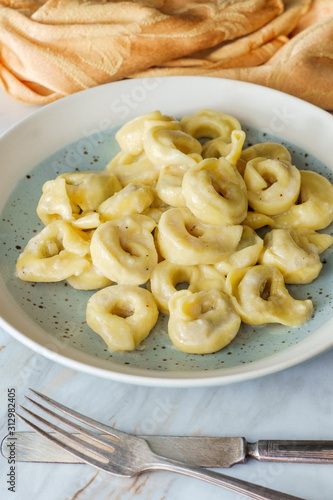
point(230, 483)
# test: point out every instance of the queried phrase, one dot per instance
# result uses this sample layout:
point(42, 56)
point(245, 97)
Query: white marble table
point(294, 404)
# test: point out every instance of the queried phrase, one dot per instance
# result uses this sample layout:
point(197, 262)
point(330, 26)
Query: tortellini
point(319, 241)
point(166, 276)
point(133, 168)
point(123, 315)
point(123, 250)
point(134, 198)
point(202, 322)
point(314, 209)
point(55, 203)
point(273, 186)
point(246, 253)
point(169, 186)
point(231, 151)
point(89, 279)
point(171, 146)
point(183, 239)
point(271, 150)
point(74, 195)
point(292, 254)
point(256, 220)
point(259, 295)
point(237, 141)
point(130, 136)
point(170, 227)
point(210, 124)
point(58, 251)
point(215, 192)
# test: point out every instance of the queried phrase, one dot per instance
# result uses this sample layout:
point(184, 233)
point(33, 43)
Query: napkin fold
point(53, 48)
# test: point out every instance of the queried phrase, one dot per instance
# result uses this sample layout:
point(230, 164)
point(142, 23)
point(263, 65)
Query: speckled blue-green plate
point(78, 133)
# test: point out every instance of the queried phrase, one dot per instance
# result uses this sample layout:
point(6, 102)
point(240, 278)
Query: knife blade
point(197, 450)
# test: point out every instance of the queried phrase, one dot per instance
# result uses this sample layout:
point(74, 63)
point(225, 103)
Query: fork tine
point(73, 425)
point(64, 446)
point(73, 439)
point(82, 418)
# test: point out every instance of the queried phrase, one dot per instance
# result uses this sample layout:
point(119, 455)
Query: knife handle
point(315, 452)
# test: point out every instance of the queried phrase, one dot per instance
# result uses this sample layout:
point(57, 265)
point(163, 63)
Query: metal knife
point(198, 450)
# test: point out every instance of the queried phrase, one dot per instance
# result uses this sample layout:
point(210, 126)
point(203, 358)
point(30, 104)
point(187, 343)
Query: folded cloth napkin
point(53, 48)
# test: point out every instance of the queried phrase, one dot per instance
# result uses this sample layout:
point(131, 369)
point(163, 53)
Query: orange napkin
point(53, 48)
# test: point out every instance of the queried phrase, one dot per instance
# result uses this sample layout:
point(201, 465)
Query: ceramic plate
point(78, 133)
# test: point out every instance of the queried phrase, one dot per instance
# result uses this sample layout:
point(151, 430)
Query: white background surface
point(294, 404)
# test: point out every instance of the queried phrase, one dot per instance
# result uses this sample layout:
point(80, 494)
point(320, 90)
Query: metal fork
point(127, 455)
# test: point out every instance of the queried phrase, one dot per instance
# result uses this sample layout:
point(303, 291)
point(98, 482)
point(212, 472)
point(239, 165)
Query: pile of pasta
point(171, 226)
